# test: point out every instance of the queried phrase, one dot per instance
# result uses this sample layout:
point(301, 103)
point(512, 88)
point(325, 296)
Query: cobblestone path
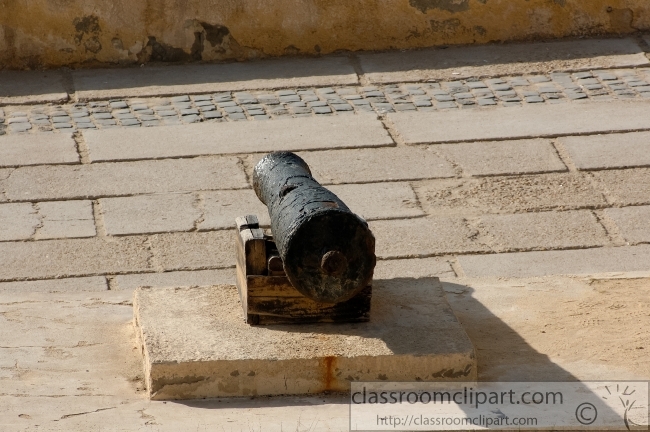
point(324, 101)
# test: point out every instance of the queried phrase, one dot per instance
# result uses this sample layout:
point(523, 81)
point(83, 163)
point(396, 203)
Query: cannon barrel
point(328, 252)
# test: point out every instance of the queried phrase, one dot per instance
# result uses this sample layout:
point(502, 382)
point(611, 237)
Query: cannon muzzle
point(327, 251)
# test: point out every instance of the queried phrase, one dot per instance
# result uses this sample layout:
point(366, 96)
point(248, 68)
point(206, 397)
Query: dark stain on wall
point(84, 26)
point(446, 28)
point(480, 30)
point(212, 38)
point(87, 30)
point(215, 33)
point(197, 46)
point(452, 6)
point(165, 53)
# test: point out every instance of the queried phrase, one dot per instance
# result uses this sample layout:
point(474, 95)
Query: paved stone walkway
point(323, 101)
point(535, 214)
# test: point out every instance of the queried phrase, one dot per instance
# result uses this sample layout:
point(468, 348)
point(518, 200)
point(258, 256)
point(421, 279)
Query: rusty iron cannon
point(318, 262)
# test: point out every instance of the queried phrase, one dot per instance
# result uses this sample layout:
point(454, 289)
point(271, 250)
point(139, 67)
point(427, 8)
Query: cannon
point(319, 251)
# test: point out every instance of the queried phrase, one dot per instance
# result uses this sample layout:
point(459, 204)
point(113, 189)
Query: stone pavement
point(526, 191)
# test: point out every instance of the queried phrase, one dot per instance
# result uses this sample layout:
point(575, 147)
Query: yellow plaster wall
point(51, 33)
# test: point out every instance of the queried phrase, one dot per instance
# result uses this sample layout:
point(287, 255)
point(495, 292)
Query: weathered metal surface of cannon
point(328, 252)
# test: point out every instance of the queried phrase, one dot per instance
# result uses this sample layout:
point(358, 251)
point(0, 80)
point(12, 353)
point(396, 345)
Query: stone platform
point(195, 344)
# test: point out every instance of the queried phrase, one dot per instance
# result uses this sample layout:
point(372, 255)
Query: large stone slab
point(564, 262)
point(236, 137)
point(110, 179)
point(65, 219)
point(468, 197)
point(422, 237)
point(66, 285)
point(196, 344)
point(609, 151)
point(130, 282)
point(542, 230)
point(633, 222)
point(503, 157)
point(625, 187)
point(530, 121)
point(150, 214)
point(37, 149)
point(31, 87)
point(18, 221)
point(51, 259)
point(371, 165)
point(194, 250)
point(494, 60)
point(192, 79)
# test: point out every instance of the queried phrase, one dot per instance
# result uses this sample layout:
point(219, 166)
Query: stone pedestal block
point(195, 344)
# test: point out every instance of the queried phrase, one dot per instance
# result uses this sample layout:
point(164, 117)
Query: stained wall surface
point(52, 33)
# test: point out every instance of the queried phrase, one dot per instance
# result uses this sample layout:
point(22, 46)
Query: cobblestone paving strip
point(550, 88)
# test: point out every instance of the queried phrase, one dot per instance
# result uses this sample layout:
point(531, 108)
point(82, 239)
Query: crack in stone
point(152, 261)
point(458, 170)
point(199, 204)
point(611, 229)
point(478, 235)
point(245, 165)
point(107, 303)
point(79, 345)
point(41, 221)
point(3, 191)
point(66, 416)
point(21, 302)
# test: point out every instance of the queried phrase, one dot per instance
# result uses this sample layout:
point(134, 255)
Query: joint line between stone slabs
point(455, 266)
point(98, 197)
point(530, 137)
point(67, 82)
point(199, 204)
point(458, 169)
point(41, 221)
point(501, 252)
point(391, 130)
point(244, 163)
point(563, 154)
point(111, 283)
point(153, 262)
point(209, 155)
point(358, 69)
point(113, 273)
point(418, 202)
point(82, 148)
point(480, 235)
point(588, 176)
point(3, 191)
point(643, 44)
point(98, 217)
point(611, 229)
